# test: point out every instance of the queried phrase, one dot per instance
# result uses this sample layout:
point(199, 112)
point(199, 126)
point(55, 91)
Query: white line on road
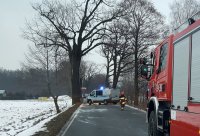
point(136, 108)
point(71, 120)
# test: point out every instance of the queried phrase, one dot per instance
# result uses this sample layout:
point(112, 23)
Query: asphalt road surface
point(106, 120)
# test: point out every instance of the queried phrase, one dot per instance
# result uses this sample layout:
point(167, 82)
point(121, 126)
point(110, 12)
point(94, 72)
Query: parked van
point(104, 96)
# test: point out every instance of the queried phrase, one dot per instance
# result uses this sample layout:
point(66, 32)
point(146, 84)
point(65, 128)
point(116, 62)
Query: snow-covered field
point(25, 117)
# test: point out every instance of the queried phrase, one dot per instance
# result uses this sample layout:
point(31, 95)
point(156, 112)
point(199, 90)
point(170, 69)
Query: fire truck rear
point(173, 74)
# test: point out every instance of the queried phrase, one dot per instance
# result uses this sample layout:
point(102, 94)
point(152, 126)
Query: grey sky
point(13, 14)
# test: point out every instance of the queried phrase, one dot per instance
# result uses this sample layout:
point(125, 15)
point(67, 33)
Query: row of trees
point(129, 39)
point(75, 27)
point(124, 29)
point(46, 73)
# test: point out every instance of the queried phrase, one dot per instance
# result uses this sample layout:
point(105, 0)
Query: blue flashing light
point(101, 88)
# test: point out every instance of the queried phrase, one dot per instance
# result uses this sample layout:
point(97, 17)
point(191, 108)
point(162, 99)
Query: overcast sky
point(13, 14)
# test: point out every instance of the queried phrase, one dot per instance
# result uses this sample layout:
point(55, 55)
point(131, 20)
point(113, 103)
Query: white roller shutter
point(195, 67)
point(180, 71)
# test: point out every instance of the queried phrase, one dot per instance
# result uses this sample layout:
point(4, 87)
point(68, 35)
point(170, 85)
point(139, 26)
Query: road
point(106, 120)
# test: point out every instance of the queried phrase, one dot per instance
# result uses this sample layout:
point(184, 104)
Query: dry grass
point(56, 124)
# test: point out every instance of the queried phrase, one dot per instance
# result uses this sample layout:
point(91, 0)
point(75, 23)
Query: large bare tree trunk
point(115, 68)
point(136, 89)
point(75, 79)
point(107, 84)
point(116, 76)
point(115, 81)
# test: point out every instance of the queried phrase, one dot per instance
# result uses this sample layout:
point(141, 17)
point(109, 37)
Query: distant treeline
point(30, 83)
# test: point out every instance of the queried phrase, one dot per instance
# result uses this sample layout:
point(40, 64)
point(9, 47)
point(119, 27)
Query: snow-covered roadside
point(36, 128)
point(24, 118)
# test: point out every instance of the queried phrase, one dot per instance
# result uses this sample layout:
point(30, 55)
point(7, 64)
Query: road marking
point(136, 108)
point(71, 120)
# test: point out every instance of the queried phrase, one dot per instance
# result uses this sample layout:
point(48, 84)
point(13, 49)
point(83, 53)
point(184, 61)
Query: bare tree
point(88, 71)
point(144, 25)
point(47, 59)
point(118, 52)
point(77, 27)
point(107, 52)
point(181, 10)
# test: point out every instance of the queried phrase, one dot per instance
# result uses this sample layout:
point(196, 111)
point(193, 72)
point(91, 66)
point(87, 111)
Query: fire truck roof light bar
point(190, 21)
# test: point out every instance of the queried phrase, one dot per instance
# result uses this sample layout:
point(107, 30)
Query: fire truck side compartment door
point(195, 67)
point(180, 73)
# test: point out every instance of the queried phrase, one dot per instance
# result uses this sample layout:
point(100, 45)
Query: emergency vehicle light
point(101, 88)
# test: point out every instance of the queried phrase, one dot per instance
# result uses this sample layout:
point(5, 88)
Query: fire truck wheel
point(152, 128)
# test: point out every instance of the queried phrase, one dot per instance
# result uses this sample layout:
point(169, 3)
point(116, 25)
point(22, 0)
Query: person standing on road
point(122, 100)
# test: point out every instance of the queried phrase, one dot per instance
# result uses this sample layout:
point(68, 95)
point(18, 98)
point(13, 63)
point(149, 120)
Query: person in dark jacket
point(122, 100)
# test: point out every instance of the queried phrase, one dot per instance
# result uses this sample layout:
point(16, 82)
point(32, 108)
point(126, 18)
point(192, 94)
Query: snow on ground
point(25, 117)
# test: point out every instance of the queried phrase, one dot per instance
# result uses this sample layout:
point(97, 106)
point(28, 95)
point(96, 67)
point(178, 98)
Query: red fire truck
point(173, 74)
